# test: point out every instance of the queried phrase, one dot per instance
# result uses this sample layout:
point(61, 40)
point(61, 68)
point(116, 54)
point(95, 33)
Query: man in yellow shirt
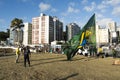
point(17, 54)
point(99, 51)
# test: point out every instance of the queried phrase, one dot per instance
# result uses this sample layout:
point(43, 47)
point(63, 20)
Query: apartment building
point(71, 30)
point(27, 34)
point(112, 26)
point(46, 29)
point(102, 35)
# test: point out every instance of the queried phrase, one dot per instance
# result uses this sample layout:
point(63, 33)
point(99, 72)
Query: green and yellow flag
point(86, 36)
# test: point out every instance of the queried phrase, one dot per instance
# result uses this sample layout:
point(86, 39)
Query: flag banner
point(86, 36)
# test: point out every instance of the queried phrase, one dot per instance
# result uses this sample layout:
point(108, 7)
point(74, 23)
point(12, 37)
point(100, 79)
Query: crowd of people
point(99, 51)
point(86, 51)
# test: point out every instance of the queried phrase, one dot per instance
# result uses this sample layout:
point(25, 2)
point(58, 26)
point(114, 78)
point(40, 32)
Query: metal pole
point(54, 32)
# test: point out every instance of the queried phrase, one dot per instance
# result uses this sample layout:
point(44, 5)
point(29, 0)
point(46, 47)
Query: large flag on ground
point(86, 36)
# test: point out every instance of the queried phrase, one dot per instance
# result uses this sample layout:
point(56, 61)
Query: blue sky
point(78, 11)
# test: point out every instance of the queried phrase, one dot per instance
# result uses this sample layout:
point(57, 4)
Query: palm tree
point(17, 24)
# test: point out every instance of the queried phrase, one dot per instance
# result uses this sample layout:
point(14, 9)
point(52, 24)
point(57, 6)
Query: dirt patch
point(56, 67)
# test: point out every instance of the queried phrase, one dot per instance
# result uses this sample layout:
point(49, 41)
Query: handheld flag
point(86, 36)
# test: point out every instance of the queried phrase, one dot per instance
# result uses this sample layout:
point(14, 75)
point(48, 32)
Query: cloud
point(112, 2)
point(107, 5)
point(99, 15)
point(116, 11)
point(102, 7)
point(72, 4)
point(44, 6)
point(110, 6)
point(91, 7)
point(53, 10)
point(64, 13)
point(84, 1)
point(72, 10)
point(104, 21)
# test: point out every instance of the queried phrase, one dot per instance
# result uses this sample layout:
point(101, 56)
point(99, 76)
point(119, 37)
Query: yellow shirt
point(100, 50)
point(17, 51)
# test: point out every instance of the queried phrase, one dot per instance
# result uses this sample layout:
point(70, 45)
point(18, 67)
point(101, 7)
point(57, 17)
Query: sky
point(68, 11)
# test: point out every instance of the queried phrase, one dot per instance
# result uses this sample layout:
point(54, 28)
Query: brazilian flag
point(86, 36)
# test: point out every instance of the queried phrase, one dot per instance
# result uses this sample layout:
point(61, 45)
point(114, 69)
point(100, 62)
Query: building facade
point(102, 36)
point(27, 34)
point(58, 25)
point(118, 28)
point(114, 33)
point(112, 26)
point(35, 30)
point(71, 30)
point(16, 36)
point(12, 37)
point(43, 29)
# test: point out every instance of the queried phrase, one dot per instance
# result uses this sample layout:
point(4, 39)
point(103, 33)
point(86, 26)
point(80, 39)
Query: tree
point(3, 36)
point(17, 24)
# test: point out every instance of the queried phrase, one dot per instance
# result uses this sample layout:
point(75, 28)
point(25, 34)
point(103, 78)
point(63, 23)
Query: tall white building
point(102, 35)
point(71, 30)
point(118, 28)
point(111, 26)
point(27, 34)
point(35, 30)
point(118, 31)
point(43, 29)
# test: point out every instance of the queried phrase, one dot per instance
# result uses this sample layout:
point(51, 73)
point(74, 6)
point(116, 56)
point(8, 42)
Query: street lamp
point(54, 19)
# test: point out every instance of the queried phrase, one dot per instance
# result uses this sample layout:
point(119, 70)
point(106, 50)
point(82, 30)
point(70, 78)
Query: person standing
point(17, 54)
point(26, 55)
point(80, 52)
point(114, 53)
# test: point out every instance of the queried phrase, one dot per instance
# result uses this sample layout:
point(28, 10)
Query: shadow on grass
point(62, 60)
point(6, 55)
point(70, 76)
point(46, 59)
point(77, 59)
point(91, 58)
point(48, 62)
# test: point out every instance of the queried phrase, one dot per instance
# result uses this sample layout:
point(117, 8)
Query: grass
point(56, 67)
